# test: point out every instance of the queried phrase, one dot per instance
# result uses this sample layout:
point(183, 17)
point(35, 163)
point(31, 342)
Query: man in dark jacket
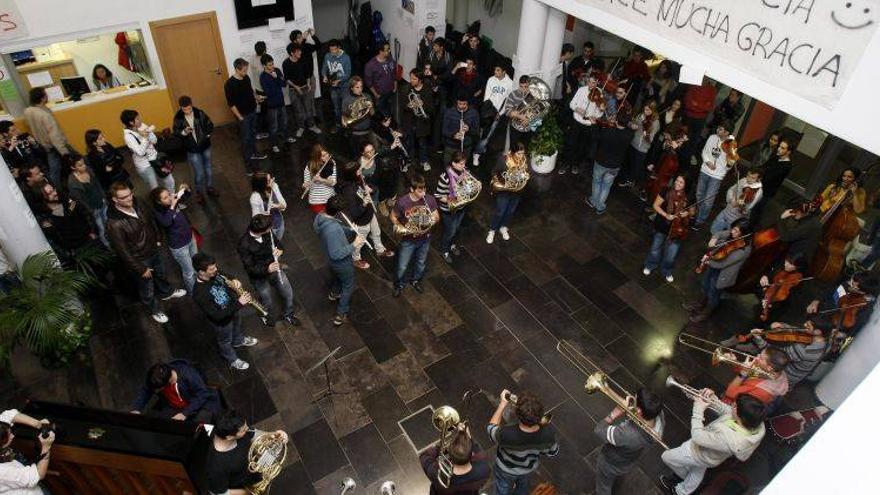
point(612, 144)
point(302, 93)
point(217, 297)
point(339, 250)
point(66, 223)
point(776, 169)
point(134, 238)
point(425, 47)
point(361, 130)
point(417, 118)
point(195, 128)
point(273, 83)
point(461, 128)
point(180, 391)
point(259, 252)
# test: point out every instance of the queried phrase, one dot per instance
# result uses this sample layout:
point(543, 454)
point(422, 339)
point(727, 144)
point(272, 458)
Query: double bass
point(841, 227)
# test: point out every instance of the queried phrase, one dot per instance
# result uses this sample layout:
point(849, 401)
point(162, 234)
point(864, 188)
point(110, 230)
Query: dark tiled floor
point(488, 322)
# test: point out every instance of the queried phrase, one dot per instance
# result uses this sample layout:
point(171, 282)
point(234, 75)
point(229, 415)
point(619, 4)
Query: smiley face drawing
point(848, 19)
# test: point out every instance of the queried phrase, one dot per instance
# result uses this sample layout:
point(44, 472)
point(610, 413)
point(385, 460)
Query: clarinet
point(241, 291)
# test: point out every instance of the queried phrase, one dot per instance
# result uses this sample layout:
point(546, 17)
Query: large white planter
point(542, 164)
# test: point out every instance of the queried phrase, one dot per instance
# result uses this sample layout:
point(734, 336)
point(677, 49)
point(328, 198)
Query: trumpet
point(721, 354)
point(240, 290)
point(416, 104)
point(692, 393)
point(599, 381)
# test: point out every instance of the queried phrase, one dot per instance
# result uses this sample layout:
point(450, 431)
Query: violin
point(722, 251)
point(729, 147)
point(782, 335)
point(779, 290)
point(596, 96)
point(847, 311)
point(678, 226)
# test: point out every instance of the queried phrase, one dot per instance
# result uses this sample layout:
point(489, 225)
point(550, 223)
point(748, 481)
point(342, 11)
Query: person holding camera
point(141, 140)
point(15, 476)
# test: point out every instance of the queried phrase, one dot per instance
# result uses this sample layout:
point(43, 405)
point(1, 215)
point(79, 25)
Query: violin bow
point(774, 284)
point(832, 310)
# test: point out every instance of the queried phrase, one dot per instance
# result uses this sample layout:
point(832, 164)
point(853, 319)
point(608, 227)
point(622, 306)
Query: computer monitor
point(75, 87)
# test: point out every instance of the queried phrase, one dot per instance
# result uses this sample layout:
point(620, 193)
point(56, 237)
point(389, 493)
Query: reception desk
point(101, 111)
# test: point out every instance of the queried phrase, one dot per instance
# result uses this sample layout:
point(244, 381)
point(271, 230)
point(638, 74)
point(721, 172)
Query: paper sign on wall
point(276, 24)
point(38, 79)
point(805, 47)
point(691, 75)
point(55, 93)
point(11, 22)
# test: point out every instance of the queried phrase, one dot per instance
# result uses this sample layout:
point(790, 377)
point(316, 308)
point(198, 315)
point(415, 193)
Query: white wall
point(409, 28)
point(502, 29)
point(331, 18)
point(851, 119)
point(50, 21)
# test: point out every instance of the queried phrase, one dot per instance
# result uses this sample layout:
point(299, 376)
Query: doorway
point(193, 62)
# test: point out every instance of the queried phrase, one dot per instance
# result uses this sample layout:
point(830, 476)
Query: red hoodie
point(699, 101)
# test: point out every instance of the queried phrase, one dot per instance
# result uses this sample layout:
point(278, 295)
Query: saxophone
point(466, 190)
point(514, 177)
point(240, 290)
point(419, 221)
point(266, 457)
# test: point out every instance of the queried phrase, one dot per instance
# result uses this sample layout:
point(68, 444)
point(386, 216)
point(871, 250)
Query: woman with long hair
point(507, 201)
point(663, 83)
point(84, 187)
point(178, 231)
point(673, 138)
point(102, 78)
point(360, 211)
point(319, 178)
point(670, 228)
point(266, 199)
point(106, 161)
point(644, 127)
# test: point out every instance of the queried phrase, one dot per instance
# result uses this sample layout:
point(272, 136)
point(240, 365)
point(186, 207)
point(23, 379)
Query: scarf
point(453, 181)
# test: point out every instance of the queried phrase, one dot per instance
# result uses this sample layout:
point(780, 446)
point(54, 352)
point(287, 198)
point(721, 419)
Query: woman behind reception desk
point(102, 78)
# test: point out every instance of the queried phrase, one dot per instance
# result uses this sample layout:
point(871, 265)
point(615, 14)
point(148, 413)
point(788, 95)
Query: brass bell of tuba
point(358, 109)
point(266, 457)
point(534, 107)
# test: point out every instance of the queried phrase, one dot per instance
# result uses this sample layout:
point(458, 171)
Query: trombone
point(692, 393)
point(721, 354)
point(598, 381)
point(448, 421)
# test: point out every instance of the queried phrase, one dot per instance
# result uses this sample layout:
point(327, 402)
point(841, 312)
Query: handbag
point(162, 165)
point(197, 236)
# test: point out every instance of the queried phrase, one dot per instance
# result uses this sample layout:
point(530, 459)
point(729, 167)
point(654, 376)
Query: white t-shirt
point(259, 207)
point(497, 90)
point(142, 148)
point(713, 153)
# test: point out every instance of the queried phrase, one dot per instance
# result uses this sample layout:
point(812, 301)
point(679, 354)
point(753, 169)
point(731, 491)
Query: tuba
point(266, 457)
point(534, 107)
point(358, 109)
point(416, 104)
point(418, 222)
point(513, 179)
point(466, 190)
point(448, 422)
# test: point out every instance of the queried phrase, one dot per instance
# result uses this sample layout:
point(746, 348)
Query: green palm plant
point(549, 138)
point(46, 312)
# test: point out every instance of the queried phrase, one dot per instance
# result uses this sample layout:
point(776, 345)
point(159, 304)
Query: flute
point(318, 173)
point(352, 227)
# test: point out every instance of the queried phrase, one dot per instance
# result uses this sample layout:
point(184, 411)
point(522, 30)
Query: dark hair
point(750, 411)
point(36, 95)
point(260, 182)
point(523, 79)
point(754, 170)
point(260, 47)
point(744, 227)
point(726, 124)
point(797, 259)
point(857, 172)
point(158, 375)
point(335, 204)
point(348, 171)
point(5, 430)
point(440, 42)
point(567, 48)
point(71, 159)
point(529, 409)
point(201, 261)
point(457, 156)
point(785, 140)
point(363, 146)
point(460, 448)
point(227, 423)
point(867, 282)
point(118, 186)
point(127, 117)
point(154, 196)
point(650, 403)
point(462, 96)
point(430, 29)
point(293, 47)
point(5, 126)
point(776, 358)
point(184, 101)
point(334, 42)
point(589, 44)
point(518, 146)
point(293, 36)
point(260, 223)
point(240, 63)
point(417, 73)
point(95, 73)
point(266, 58)
point(416, 181)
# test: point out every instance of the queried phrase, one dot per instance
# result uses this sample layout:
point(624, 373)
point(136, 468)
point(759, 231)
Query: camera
point(46, 429)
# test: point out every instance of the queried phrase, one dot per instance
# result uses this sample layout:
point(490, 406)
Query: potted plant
point(546, 144)
point(45, 312)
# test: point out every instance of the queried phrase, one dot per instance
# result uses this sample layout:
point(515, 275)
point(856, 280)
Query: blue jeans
point(183, 257)
point(229, 336)
point(248, 128)
point(422, 144)
point(336, 98)
point(505, 206)
point(508, 484)
point(725, 219)
point(706, 188)
point(157, 285)
point(100, 215)
point(451, 222)
point(663, 253)
point(282, 285)
point(603, 179)
point(277, 118)
point(710, 291)
point(407, 250)
point(53, 159)
point(201, 164)
point(343, 283)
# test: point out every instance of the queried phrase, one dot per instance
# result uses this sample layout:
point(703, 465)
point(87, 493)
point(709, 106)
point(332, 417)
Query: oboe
point(275, 257)
point(240, 290)
point(461, 129)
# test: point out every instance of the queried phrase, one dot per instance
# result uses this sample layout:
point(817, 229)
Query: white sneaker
point(160, 317)
point(276, 149)
point(174, 295)
point(426, 166)
point(240, 365)
point(248, 342)
point(646, 271)
point(670, 278)
point(505, 234)
point(315, 129)
point(299, 132)
point(476, 159)
point(490, 237)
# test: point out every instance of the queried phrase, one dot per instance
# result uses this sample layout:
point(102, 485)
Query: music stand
point(325, 362)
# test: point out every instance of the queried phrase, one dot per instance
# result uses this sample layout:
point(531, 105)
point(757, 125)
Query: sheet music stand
point(325, 362)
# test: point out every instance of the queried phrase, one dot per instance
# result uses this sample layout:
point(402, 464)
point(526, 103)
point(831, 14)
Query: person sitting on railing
point(180, 391)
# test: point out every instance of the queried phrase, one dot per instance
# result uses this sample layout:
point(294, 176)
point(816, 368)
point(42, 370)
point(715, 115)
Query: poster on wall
point(11, 23)
point(807, 47)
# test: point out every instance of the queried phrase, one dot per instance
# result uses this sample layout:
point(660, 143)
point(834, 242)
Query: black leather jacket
point(134, 240)
point(203, 130)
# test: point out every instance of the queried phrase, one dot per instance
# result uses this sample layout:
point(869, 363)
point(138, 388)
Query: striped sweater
point(519, 451)
point(320, 193)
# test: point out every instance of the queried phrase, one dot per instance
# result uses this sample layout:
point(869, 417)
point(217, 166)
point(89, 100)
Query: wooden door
point(193, 62)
